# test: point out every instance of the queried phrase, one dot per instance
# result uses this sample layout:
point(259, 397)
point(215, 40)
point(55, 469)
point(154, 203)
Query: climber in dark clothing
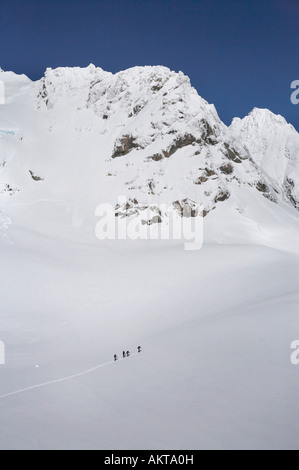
point(124, 354)
point(128, 353)
point(115, 358)
point(139, 349)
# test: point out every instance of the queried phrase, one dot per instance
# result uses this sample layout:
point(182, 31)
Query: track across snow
point(57, 381)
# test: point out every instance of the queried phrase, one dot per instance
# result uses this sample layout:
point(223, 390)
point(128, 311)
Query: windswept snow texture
point(215, 325)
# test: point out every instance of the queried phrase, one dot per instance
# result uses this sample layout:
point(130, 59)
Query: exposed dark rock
point(270, 197)
point(232, 154)
point(43, 92)
point(157, 157)
point(262, 187)
point(186, 208)
point(289, 187)
point(210, 172)
point(157, 219)
point(137, 109)
point(129, 209)
point(227, 169)
point(8, 189)
point(34, 177)
point(179, 143)
point(208, 136)
point(124, 146)
point(157, 87)
point(201, 179)
point(222, 196)
point(151, 186)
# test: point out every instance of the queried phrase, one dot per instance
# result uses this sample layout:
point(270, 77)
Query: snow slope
point(215, 325)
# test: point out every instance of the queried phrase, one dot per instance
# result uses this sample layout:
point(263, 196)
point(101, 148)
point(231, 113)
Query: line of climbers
point(127, 354)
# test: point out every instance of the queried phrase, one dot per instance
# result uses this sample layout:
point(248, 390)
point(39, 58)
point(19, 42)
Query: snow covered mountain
point(81, 137)
point(215, 324)
point(273, 145)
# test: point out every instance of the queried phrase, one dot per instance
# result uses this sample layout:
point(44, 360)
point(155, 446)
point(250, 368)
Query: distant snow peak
point(273, 145)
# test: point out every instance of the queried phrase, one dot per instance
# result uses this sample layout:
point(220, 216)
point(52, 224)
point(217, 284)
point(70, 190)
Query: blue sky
point(238, 53)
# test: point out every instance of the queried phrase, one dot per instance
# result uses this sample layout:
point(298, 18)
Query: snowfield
point(215, 325)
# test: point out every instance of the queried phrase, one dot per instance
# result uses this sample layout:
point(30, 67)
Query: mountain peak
point(264, 114)
point(273, 144)
point(87, 135)
point(9, 76)
point(260, 116)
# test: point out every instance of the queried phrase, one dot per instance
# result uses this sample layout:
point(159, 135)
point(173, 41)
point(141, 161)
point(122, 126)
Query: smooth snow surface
point(215, 327)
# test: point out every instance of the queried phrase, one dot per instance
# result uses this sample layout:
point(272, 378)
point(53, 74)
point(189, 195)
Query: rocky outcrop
point(124, 146)
point(231, 153)
point(289, 188)
point(34, 177)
